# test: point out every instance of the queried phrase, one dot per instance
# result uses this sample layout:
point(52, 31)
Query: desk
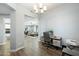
point(56, 41)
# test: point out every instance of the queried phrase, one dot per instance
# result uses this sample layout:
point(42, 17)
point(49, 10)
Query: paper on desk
point(71, 42)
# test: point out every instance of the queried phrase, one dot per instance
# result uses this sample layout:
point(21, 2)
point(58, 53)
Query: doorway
point(31, 26)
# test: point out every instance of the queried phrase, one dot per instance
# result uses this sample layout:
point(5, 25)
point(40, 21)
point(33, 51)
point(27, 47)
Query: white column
point(17, 29)
point(34, 28)
point(2, 31)
point(39, 28)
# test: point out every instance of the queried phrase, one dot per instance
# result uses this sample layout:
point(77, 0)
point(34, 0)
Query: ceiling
point(49, 5)
point(4, 9)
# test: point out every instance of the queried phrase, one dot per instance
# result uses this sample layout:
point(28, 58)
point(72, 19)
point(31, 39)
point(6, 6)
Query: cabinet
point(56, 41)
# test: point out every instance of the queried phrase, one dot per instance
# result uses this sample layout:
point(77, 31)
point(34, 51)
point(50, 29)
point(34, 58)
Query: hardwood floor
point(5, 49)
point(34, 48)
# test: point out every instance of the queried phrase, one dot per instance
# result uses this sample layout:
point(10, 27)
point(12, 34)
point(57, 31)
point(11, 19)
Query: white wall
point(31, 20)
point(17, 27)
point(63, 20)
point(17, 23)
point(2, 31)
point(4, 9)
point(12, 5)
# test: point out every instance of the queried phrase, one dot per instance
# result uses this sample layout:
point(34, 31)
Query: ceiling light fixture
point(40, 8)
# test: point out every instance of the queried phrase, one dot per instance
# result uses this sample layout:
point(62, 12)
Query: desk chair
point(47, 39)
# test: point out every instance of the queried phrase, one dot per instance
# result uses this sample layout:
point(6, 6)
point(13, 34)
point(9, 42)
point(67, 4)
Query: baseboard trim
point(16, 49)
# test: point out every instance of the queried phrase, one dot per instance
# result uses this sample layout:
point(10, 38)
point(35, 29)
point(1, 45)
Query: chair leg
point(63, 53)
point(48, 46)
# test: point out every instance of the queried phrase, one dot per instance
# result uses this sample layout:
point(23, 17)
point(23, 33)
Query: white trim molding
point(14, 50)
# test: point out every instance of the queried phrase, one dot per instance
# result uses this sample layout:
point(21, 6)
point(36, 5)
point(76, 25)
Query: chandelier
point(39, 8)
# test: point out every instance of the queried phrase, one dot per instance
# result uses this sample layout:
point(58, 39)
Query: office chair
point(47, 39)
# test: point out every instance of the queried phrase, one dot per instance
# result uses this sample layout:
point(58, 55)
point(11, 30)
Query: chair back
point(46, 36)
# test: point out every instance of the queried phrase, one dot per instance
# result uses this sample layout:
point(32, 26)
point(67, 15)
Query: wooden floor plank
point(32, 48)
